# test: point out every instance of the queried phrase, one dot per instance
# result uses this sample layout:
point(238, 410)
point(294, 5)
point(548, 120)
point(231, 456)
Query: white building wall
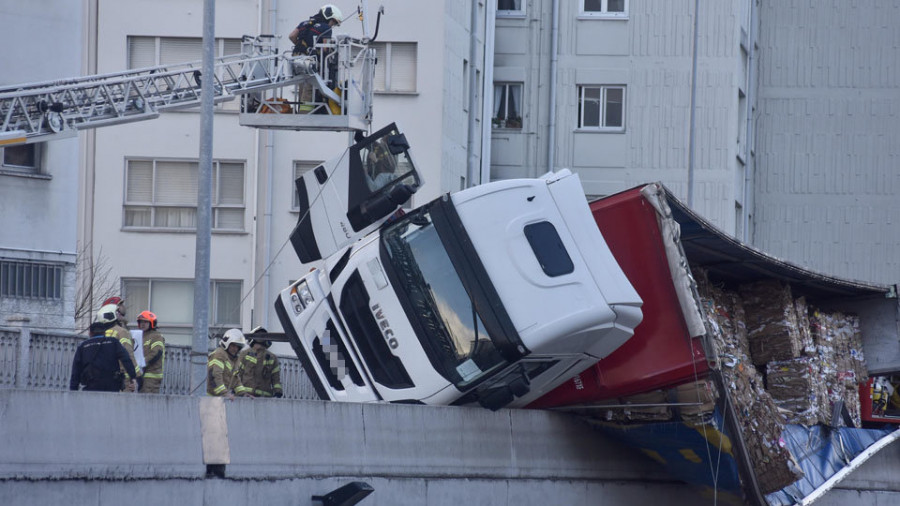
point(42, 41)
point(827, 147)
point(650, 52)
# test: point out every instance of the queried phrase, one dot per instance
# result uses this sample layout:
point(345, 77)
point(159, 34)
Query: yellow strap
point(153, 375)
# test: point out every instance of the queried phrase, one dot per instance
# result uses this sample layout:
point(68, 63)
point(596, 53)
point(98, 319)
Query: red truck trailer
point(707, 379)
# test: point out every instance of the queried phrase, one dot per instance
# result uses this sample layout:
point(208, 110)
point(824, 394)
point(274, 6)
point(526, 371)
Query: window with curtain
point(507, 106)
point(300, 167)
point(172, 300)
point(25, 158)
point(162, 194)
point(395, 69)
point(601, 108)
point(605, 8)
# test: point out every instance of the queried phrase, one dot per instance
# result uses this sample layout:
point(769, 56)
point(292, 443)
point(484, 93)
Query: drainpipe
point(270, 190)
point(487, 89)
point(554, 58)
point(690, 189)
point(472, 166)
point(751, 97)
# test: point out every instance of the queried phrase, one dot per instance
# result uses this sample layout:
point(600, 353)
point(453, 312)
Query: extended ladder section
point(49, 110)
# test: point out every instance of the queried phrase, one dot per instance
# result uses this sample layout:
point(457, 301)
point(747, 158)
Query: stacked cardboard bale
point(838, 352)
point(733, 327)
point(772, 326)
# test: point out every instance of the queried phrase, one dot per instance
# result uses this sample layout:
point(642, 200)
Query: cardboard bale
point(702, 394)
point(794, 386)
point(771, 319)
point(649, 406)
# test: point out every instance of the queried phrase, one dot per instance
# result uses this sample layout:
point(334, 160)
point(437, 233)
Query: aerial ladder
point(337, 80)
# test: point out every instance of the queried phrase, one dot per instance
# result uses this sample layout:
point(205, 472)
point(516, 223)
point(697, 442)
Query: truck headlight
point(301, 297)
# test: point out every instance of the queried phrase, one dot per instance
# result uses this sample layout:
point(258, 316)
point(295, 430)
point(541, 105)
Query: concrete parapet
point(66, 435)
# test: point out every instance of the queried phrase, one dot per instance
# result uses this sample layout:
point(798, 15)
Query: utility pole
point(199, 347)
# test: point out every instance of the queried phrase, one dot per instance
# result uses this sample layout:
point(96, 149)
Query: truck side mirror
point(496, 398)
point(397, 144)
point(520, 386)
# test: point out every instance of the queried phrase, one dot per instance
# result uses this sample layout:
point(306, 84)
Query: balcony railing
point(38, 359)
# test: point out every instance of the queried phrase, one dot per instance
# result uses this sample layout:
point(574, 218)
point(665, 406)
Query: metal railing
point(46, 363)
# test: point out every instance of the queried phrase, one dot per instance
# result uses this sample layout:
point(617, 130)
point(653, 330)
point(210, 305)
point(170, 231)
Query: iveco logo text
point(385, 327)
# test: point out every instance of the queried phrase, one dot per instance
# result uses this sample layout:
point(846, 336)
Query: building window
point(601, 107)
point(172, 300)
point(300, 168)
point(507, 106)
point(605, 8)
point(510, 8)
point(395, 67)
point(22, 279)
point(155, 51)
point(24, 158)
point(162, 194)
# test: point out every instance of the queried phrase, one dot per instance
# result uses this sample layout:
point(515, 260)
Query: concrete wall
point(827, 149)
point(98, 448)
point(91, 448)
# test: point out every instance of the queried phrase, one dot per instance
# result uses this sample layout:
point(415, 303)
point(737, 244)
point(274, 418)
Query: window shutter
point(232, 46)
point(176, 183)
point(180, 50)
point(403, 66)
point(139, 183)
point(141, 52)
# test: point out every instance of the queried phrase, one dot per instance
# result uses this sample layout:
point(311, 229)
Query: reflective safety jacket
point(123, 335)
point(221, 374)
point(260, 372)
point(154, 354)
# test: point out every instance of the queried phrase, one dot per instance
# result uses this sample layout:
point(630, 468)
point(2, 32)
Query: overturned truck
point(739, 372)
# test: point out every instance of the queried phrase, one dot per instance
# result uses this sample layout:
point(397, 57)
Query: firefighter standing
point(154, 352)
point(118, 330)
point(316, 28)
point(222, 379)
point(96, 362)
point(259, 371)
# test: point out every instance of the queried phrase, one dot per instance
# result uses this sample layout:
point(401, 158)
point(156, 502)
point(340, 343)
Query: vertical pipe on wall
point(270, 190)
point(487, 90)
point(472, 165)
point(691, 133)
point(551, 120)
point(751, 97)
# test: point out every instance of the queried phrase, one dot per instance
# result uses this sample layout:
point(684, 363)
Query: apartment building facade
point(140, 210)
point(38, 182)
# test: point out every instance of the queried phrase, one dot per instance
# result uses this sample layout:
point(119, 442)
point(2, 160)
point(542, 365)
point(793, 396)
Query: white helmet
point(233, 336)
point(331, 12)
point(107, 314)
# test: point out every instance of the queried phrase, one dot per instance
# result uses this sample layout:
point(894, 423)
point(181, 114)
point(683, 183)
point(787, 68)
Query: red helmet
point(149, 317)
point(113, 300)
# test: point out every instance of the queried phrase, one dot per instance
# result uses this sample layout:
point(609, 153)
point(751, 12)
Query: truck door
point(347, 197)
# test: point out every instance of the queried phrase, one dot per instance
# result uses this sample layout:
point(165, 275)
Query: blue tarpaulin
point(701, 454)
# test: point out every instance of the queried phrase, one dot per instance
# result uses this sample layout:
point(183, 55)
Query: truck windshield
point(441, 310)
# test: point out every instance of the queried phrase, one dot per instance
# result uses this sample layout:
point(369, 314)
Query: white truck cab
point(491, 295)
